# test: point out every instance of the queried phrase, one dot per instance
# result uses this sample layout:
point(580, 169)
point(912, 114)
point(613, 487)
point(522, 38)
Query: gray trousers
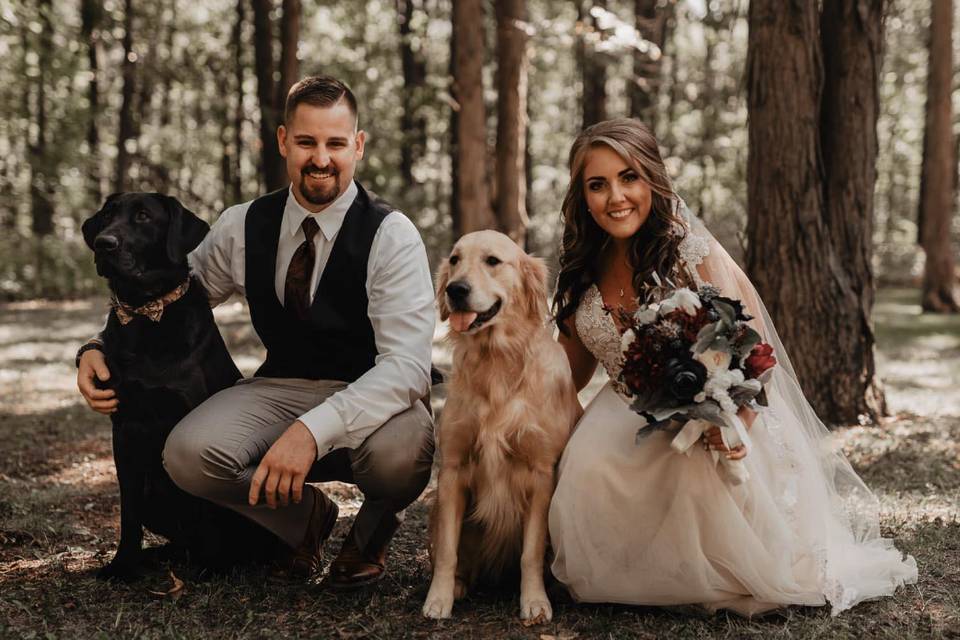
point(213, 452)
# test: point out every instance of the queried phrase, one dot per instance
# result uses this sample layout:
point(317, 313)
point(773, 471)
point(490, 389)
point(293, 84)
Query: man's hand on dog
point(93, 364)
point(284, 468)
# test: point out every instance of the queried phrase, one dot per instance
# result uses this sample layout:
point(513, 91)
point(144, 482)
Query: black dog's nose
point(458, 290)
point(106, 243)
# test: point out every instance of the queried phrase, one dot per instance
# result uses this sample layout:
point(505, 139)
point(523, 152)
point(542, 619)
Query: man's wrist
point(93, 344)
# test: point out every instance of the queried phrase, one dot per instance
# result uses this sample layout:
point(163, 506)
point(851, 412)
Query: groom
point(340, 293)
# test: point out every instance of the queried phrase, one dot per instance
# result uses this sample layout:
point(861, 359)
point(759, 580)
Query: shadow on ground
point(59, 515)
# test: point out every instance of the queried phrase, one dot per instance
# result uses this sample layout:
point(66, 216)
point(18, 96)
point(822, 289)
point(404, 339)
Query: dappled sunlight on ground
point(59, 506)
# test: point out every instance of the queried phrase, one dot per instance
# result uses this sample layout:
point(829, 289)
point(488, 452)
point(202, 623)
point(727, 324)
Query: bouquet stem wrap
point(734, 434)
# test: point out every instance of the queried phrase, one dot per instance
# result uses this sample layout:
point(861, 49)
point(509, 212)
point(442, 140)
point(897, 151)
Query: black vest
point(337, 341)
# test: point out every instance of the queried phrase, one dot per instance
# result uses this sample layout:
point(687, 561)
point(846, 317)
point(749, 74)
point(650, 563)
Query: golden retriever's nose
point(457, 291)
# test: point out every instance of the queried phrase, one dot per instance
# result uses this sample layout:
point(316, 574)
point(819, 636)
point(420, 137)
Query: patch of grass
point(59, 518)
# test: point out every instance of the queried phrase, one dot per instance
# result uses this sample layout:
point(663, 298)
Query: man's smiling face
point(321, 146)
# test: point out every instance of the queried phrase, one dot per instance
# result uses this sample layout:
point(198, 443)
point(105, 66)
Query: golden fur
point(510, 410)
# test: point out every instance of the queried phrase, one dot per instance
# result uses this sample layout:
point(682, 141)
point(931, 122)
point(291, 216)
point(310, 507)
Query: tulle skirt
point(638, 523)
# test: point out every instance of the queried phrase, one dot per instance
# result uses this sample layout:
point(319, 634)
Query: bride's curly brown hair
point(654, 248)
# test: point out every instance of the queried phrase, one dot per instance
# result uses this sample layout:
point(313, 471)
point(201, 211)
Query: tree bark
point(91, 15)
point(289, 43)
point(791, 258)
point(651, 19)
point(42, 170)
point(456, 216)
point(593, 69)
point(272, 167)
point(125, 135)
point(512, 118)
point(937, 175)
point(852, 39)
point(236, 186)
point(471, 148)
point(413, 127)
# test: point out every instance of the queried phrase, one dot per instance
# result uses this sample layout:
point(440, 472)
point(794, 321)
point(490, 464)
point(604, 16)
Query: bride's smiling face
point(618, 198)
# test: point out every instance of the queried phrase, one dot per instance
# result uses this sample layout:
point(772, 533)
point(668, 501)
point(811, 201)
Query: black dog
point(162, 365)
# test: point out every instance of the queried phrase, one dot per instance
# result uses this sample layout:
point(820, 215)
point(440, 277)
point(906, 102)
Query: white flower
point(718, 385)
point(646, 315)
point(626, 340)
point(681, 299)
point(713, 360)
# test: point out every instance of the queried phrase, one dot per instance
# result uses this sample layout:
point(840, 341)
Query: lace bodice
point(598, 332)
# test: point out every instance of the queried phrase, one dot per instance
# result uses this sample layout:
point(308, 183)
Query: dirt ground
point(59, 515)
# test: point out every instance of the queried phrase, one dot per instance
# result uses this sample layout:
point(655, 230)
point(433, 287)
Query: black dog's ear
point(184, 231)
point(94, 224)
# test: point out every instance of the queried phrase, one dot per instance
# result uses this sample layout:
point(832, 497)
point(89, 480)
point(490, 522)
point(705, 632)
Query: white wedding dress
point(635, 522)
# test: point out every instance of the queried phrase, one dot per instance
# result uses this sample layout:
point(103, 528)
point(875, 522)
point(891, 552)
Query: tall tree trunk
point(528, 174)
point(8, 213)
point(168, 69)
point(456, 215)
point(511, 117)
point(236, 186)
point(149, 68)
point(289, 42)
point(272, 169)
point(791, 257)
point(91, 15)
point(471, 148)
point(669, 138)
point(125, 137)
point(593, 69)
point(936, 182)
point(651, 19)
point(894, 182)
point(852, 38)
point(413, 127)
point(42, 170)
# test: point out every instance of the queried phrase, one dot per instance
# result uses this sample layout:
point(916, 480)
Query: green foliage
point(45, 267)
point(186, 96)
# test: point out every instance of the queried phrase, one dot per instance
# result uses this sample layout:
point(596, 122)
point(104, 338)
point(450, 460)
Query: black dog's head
point(141, 241)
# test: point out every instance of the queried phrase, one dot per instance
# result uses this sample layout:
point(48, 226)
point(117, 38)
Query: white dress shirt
point(400, 307)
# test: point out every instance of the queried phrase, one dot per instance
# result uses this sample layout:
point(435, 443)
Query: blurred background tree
point(470, 108)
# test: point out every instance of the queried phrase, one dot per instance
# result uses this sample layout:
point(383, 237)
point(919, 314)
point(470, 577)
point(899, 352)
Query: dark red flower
point(760, 359)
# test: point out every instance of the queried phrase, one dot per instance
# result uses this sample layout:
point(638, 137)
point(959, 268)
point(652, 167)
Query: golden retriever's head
point(488, 281)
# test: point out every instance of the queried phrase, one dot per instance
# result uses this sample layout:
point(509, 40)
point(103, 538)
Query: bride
point(634, 522)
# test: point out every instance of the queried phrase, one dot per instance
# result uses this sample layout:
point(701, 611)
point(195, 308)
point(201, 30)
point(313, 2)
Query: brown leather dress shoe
point(306, 560)
point(354, 568)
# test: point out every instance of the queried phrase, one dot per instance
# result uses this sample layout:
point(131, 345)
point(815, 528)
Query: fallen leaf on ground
point(175, 590)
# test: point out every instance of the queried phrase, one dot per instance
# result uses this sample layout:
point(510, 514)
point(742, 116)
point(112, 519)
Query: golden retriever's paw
point(535, 610)
point(439, 603)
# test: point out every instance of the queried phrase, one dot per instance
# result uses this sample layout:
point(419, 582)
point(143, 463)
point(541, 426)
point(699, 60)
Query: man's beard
point(319, 195)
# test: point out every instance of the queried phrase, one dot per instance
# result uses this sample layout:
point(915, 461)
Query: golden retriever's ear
point(443, 275)
point(533, 272)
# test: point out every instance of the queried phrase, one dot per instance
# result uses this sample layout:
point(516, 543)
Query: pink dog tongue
point(460, 320)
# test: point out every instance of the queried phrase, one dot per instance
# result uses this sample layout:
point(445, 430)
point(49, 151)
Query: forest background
point(816, 138)
point(796, 133)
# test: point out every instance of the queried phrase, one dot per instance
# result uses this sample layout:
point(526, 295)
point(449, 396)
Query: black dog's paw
point(119, 570)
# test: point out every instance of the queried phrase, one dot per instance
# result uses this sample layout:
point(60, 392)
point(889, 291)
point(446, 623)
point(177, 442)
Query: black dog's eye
point(493, 261)
point(454, 260)
point(142, 216)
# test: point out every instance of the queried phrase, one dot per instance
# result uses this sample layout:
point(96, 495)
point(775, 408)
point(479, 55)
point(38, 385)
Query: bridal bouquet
point(691, 361)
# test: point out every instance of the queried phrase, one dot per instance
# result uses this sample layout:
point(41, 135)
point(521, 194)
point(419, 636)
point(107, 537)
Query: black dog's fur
point(160, 371)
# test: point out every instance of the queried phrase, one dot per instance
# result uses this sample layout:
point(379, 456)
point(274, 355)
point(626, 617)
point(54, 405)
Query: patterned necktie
point(296, 289)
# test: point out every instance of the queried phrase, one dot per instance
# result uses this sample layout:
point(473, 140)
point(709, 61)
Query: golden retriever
point(510, 411)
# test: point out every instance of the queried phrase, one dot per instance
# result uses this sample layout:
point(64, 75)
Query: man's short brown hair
point(318, 91)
